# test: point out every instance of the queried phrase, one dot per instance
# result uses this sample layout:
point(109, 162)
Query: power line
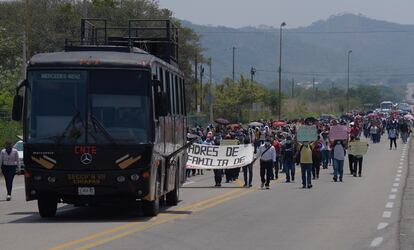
point(274, 32)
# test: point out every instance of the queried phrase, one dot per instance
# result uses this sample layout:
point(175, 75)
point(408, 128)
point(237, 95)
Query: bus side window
point(183, 102)
point(168, 90)
point(177, 96)
point(172, 90)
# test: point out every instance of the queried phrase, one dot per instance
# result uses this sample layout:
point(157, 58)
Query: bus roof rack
point(158, 37)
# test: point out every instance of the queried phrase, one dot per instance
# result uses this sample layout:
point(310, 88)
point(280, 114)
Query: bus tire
point(152, 208)
point(173, 196)
point(47, 206)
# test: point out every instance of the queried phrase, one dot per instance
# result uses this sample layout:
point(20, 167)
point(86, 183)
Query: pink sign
point(339, 132)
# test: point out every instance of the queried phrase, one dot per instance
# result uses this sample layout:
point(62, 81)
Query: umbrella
point(279, 124)
point(255, 124)
point(409, 117)
point(222, 121)
point(233, 126)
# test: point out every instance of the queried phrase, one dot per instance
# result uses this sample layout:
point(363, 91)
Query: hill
point(382, 51)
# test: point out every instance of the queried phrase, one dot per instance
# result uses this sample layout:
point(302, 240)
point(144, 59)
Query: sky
point(296, 13)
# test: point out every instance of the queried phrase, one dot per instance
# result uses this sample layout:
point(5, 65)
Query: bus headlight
point(134, 177)
point(120, 179)
point(51, 179)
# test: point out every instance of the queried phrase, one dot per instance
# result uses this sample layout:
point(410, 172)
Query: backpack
point(297, 157)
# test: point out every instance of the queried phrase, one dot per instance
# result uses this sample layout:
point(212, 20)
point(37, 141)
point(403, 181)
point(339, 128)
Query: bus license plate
point(86, 191)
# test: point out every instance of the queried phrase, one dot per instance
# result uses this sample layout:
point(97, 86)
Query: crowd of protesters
point(278, 150)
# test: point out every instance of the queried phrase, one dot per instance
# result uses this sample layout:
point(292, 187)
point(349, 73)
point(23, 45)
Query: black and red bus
point(105, 120)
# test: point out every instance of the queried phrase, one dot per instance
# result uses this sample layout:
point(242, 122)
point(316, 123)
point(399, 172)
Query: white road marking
point(382, 225)
point(389, 205)
point(18, 187)
point(392, 196)
point(397, 179)
point(399, 171)
point(394, 190)
point(376, 242)
point(398, 175)
point(386, 214)
point(396, 184)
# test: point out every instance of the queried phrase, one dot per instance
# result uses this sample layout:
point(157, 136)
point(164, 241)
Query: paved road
point(360, 213)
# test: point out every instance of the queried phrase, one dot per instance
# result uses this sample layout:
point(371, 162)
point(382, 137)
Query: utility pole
point(27, 35)
point(196, 76)
point(293, 87)
point(280, 71)
point(201, 86)
point(210, 61)
point(331, 95)
point(234, 60)
point(347, 92)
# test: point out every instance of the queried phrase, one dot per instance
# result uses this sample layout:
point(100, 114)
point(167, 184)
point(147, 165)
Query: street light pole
point(252, 73)
point(234, 59)
point(347, 92)
point(280, 70)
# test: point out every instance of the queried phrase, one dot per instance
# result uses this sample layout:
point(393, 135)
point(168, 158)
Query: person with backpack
point(267, 156)
point(339, 154)
point(304, 158)
point(288, 159)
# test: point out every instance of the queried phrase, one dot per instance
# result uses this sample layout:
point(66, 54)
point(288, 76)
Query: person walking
point(287, 156)
point(304, 158)
point(392, 136)
point(351, 158)
point(316, 158)
point(325, 151)
point(339, 154)
point(9, 160)
point(267, 156)
point(248, 169)
point(404, 132)
point(357, 162)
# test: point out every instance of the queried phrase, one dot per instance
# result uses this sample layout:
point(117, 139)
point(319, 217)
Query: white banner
point(202, 156)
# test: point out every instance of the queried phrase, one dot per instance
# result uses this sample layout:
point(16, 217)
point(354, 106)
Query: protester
point(304, 158)
point(351, 158)
point(267, 156)
point(248, 169)
point(338, 158)
point(357, 162)
point(9, 160)
point(316, 158)
point(287, 156)
point(392, 136)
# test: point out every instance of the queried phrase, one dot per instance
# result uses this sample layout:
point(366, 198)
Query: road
point(360, 213)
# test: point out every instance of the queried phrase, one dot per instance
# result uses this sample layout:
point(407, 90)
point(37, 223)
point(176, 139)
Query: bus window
point(168, 89)
point(177, 96)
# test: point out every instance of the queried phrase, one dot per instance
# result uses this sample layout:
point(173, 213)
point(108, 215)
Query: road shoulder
point(407, 210)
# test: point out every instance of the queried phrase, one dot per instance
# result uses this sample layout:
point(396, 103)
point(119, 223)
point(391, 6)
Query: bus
point(386, 106)
point(105, 119)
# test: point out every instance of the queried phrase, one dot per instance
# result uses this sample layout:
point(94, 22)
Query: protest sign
point(219, 157)
point(338, 132)
point(358, 148)
point(307, 133)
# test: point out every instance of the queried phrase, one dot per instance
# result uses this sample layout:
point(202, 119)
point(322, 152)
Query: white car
point(19, 147)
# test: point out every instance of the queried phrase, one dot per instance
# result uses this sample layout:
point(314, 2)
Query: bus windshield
point(386, 105)
point(97, 106)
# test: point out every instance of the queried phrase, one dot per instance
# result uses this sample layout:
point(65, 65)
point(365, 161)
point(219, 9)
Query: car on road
point(19, 147)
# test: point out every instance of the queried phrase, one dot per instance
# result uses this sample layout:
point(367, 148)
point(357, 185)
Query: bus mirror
point(17, 108)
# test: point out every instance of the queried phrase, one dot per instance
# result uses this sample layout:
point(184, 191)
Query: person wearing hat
point(267, 156)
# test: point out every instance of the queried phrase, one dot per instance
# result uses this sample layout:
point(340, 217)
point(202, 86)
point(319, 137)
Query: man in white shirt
point(267, 156)
point(9, 160)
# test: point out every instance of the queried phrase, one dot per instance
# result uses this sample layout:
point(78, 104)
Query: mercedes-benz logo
point(86, 159)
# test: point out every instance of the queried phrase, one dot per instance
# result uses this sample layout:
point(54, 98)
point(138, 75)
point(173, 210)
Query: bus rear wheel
point(47, 206)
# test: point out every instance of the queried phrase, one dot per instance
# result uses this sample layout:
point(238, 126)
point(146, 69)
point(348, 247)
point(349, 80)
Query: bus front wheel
point(47, 206)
